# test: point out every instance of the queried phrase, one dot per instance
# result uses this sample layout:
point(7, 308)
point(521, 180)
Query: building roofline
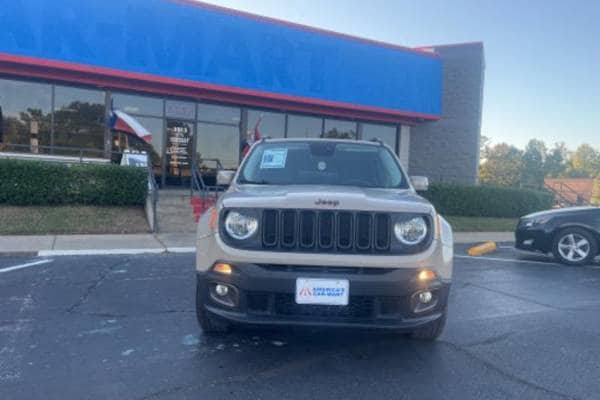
point(308, 28)
point(460, 44)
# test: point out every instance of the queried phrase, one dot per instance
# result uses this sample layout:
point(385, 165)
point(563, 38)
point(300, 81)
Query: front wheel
point(574, 246)
point(432, 330)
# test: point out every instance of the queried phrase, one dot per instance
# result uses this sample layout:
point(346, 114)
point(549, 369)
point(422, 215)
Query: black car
point(571, 234)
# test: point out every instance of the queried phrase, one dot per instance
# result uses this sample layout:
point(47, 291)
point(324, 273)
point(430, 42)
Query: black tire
point(211, 325)
point(578, 231)
point(432, 330)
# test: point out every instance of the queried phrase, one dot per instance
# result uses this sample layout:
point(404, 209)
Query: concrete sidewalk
point(51, 245)
point(54, 245)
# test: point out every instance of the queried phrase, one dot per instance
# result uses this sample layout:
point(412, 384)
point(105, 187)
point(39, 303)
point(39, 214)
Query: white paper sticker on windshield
point(273, 158)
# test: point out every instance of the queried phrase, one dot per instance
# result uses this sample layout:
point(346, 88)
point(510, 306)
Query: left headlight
point(240, 226)
point(412, 231)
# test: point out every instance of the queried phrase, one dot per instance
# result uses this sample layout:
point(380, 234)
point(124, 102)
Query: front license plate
point(322, 291)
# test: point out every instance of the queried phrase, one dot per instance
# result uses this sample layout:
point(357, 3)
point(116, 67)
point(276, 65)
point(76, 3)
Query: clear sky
point(542, 77)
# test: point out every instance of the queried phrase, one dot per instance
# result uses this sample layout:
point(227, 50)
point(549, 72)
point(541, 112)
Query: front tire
point(574, 246)
point(432, 330)
point(211, 325)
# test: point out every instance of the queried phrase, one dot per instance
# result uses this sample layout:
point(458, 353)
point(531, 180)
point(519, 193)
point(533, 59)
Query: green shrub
point(45, 183)
point(486, 201)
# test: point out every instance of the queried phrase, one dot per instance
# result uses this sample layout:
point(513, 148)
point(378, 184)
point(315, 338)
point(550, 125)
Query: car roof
point(312, 140)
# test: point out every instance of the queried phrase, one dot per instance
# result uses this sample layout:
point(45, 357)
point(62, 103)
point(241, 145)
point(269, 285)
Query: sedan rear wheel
point(574, 246)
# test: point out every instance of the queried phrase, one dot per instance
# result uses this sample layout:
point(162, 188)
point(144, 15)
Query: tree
point(534, 158)
point(584, 162)
point(556, 160)
point(503, 165)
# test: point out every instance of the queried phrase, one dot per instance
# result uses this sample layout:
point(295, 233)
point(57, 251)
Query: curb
point(98, 252)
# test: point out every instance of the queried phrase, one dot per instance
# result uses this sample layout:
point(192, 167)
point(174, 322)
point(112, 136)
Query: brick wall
point(448, 150)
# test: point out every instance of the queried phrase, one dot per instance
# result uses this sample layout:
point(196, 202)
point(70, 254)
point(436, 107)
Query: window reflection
point(303, 126)
point(339, 129)
point(127, 141)
point(141, 105)
point(386, 133)
point(217, 141)
point(25, 115)
point(218, 114)
point(79, 119)
point(267, 123)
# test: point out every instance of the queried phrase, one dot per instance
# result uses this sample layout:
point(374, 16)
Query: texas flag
point(121, 121)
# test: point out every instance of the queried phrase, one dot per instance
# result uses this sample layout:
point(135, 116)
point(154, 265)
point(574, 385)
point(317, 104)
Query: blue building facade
point(200, 79)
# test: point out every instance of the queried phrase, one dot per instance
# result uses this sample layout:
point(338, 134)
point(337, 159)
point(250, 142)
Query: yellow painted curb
point(483, 248)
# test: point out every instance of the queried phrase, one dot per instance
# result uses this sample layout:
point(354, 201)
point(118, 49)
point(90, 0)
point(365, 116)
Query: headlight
point(411, 232)
point(240, 226)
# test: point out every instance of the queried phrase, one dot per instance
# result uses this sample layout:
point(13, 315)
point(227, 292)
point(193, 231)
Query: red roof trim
point(112, 78)
point(245, 14)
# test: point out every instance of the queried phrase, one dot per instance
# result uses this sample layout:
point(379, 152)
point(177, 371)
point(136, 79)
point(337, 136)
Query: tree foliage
point(503, 166)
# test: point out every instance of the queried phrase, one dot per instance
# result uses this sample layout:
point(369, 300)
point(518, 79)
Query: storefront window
point(339, 129)
point(217, 141)
point(141, 105)
point(123, 141)
point(267, 123)
point(25, 115)
point(218, 114)
point(386, 133)
point(180, 109)
point(302, 126)
point(79, 120)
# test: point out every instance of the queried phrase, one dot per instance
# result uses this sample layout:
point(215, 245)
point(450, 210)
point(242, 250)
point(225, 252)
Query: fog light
point(222, 290)
point(425, 297)
point(426, 275)
point(222, 268)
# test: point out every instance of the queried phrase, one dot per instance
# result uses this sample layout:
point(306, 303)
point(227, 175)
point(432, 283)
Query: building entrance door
point(179, 151)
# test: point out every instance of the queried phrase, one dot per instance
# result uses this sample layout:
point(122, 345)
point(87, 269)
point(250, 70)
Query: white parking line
point(509, 260)
point(21, 266)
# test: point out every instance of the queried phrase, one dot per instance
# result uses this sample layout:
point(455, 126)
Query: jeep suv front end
point(323, 233)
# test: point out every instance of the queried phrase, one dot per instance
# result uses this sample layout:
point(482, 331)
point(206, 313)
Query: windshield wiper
point(250, 182)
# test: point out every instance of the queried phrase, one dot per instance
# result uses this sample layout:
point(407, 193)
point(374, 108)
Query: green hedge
point(486, 201)
point(46, 183)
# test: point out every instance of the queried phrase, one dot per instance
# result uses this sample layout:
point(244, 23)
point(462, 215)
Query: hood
point(325, 198)
point(561, 211)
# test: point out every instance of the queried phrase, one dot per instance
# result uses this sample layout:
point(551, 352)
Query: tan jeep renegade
point(320, 232)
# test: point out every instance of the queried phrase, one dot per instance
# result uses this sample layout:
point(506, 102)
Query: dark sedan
point(571, 234)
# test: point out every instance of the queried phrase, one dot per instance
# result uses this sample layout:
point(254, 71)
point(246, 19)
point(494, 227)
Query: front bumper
point(532, 239)
point(379, 297)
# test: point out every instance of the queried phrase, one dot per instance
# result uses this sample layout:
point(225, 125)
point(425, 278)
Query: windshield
point(322, 163)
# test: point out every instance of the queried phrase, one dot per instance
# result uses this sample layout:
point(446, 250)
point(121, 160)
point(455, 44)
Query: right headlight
point(240, 226)
point(412, 231)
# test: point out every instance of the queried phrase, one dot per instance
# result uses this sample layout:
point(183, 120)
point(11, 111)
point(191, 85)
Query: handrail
point(153, 192)
point(558, 188)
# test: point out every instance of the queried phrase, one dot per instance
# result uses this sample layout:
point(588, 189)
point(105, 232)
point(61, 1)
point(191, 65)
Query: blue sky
point(542, 57)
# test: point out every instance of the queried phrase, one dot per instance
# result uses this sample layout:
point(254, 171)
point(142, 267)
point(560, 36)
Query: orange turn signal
point(222, 268)
point(427, 275)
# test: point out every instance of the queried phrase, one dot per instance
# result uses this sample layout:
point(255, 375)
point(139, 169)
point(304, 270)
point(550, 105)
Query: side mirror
point(224, 177)
point(420, 183)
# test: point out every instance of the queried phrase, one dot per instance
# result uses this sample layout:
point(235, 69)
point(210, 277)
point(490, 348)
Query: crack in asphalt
point(506, 374)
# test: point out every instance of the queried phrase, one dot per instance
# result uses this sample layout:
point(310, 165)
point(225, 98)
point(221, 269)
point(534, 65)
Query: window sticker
point(273, 158)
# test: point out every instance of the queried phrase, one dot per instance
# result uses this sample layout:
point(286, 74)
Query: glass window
point(339, 129)
point(218, 114)
point(218, 141)
point(133, 104)
point(387, 133)
point(322, 163)
point(180, 109)
point(79, 119)
point(267, 123)
point(154, 126)
point(25, 114)
point(303, 126)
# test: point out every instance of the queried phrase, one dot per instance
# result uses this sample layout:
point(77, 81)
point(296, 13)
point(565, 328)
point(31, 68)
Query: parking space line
point(27, 265)
point(510, 260)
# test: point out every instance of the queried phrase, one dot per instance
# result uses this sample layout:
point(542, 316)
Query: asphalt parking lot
point(123, 327)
